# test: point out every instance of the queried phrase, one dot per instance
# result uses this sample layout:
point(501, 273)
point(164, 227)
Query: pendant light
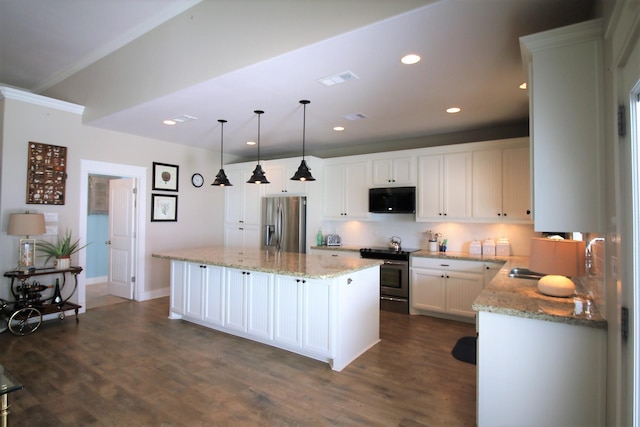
point(258, 174)
point(303, 173)
point(221, 179)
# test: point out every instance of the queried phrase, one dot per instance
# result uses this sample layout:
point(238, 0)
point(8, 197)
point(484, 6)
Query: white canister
point(503, 247)
point(433, 246)
point(489, 247)
point(475, 247)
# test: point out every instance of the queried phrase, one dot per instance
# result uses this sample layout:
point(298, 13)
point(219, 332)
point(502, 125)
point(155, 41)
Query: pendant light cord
point(304, 126)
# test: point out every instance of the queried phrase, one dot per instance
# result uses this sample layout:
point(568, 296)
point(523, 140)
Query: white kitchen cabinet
point(242, 236)
point(334, 320)
point(214, 279)
point(242, 200)
point(346, 191)
point(534, 372)
point(259, 304)
point(445, 287)
point(279, 174)
point(303, 313)
point(391, 172)
point(501, 185)
point(565, 83)
point(444, 187)
point(196, 292)
point(249, 302)
point(178, 289)
point(490, 271)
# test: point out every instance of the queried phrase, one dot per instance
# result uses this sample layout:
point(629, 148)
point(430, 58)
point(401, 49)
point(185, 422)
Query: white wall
point(200, 210)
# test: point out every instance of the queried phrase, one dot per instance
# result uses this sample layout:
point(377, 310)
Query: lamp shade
point(558, 259)
point(26, 224)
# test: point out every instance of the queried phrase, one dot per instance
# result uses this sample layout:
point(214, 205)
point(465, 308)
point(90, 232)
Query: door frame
point(139, 173)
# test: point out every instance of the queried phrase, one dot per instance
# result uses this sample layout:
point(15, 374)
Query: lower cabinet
point(333, 320)
point(303, 312)
point(446, 287)
point(534, 372)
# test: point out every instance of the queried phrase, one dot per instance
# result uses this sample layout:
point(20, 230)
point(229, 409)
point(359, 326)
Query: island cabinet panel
point(317, 316)
point(333, 320)
point(214, 295)
point(235, 301)
point(287, 312)
point(178, 287)
point(534, 372)
point(259, 304)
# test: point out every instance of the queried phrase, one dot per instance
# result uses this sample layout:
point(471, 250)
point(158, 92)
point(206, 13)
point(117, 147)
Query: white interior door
point(121, 237)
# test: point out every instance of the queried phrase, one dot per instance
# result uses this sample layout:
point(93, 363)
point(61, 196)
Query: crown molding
point(32, 98)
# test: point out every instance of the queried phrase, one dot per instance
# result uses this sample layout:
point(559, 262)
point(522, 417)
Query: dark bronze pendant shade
point(221, 178)
point(303, 173)
point(258, 176)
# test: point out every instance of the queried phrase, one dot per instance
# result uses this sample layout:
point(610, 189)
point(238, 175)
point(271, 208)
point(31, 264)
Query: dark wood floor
point(129, 365)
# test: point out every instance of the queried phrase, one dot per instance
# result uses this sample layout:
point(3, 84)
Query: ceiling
point(134, 63)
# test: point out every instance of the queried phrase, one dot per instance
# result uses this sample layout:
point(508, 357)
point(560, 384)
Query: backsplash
point(381, 228)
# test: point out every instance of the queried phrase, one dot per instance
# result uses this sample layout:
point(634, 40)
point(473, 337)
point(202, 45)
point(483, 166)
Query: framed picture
point(46, 174)
point(164, 207)
point(165, 177)
point(98, 195)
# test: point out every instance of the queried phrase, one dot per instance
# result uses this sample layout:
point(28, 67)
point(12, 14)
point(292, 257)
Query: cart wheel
point(4, 316)
point(25, 321)
point(61, 315)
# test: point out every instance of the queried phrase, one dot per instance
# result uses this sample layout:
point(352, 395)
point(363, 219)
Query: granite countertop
point(521, 298)
point(268, 261)
point(464, 256)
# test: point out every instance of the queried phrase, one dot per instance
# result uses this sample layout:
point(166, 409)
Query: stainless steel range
point(394, 277)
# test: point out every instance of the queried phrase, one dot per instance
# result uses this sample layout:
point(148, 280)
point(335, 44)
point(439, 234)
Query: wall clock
point(197, 180)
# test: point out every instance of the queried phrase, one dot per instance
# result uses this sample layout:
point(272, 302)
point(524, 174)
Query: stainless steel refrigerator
point(284, 223)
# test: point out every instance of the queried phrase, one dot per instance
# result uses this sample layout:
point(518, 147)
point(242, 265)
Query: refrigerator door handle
point(280, 227)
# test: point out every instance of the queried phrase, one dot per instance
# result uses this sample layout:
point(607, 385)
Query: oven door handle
point(393, 299)
point(401, 263)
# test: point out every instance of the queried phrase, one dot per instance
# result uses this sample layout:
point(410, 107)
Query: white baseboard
point(95, 280)
point(157, 293)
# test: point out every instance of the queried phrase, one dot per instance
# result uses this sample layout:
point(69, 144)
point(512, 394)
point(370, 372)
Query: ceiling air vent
point(355, 116)
point(343, 77)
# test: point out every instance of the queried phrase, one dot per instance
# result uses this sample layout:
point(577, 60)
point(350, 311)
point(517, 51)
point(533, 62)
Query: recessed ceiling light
point(410, 59)
point(251, 143)
point(338, 128)
point(453, 110)
point(523, 85)
point(169, 122)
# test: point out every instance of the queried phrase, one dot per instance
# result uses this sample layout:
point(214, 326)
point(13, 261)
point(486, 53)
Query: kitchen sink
point(524, 273)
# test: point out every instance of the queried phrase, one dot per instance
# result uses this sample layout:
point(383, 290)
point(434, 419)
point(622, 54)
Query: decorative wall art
point(46, 174)
point(99, 195)
point(165, 177)
point(164, 207)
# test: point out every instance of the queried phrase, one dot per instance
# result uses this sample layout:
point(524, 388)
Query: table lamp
point(26, 224)
point(559, 259)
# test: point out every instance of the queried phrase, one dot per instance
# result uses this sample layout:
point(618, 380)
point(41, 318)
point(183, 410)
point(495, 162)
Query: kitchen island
point(538, 362)
point(314, 305)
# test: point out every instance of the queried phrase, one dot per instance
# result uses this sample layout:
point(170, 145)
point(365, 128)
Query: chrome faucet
point(589, 255)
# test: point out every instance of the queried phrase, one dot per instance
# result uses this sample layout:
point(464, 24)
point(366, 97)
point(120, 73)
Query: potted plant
point(61, 250)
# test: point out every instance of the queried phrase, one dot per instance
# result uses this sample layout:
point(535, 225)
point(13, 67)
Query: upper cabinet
point(346, 193)
point(444, 187)
point(279, 173)
point(501, 183)
point(242, 200)
point(389, 172)
point(565, 80)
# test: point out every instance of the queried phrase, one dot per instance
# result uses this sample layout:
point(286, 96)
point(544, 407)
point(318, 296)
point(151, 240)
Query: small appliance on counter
point(333, 240)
